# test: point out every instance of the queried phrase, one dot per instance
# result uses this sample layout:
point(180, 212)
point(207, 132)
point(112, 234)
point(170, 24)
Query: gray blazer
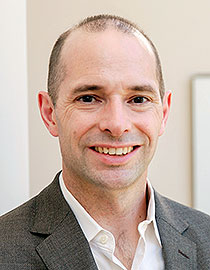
point(44, 234)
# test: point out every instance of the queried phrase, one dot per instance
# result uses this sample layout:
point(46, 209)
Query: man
point(106, 104)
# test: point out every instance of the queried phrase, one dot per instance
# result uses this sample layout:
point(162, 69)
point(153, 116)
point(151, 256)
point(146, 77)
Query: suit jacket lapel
point(67, 248)
point(64, 245)
point(179, 252)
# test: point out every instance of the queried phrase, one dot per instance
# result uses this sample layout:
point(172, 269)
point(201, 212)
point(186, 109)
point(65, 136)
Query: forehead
point(110, 51)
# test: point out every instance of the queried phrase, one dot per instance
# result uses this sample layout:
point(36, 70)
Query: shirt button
point(103, 239)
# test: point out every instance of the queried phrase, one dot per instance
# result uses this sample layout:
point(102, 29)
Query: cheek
point(80, 123)
point(149, 124)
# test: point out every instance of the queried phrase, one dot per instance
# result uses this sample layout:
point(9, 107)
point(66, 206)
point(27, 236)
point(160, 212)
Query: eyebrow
point(86, 88)
point(92, 87)
point(143, 88)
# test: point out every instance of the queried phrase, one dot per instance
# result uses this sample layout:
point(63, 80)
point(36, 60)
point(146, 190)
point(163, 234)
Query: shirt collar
point(151, 211)
point(90, 227)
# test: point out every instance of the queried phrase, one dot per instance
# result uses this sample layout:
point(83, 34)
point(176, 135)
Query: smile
point(114, 151)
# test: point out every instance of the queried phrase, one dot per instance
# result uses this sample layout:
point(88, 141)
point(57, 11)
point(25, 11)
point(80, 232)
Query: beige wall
point(180, 29)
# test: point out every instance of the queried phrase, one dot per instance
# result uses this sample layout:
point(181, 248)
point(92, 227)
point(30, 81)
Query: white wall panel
point(201, 142)
point(14, 180)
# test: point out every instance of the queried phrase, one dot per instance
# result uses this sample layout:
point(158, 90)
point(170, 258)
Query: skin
point(109, 98)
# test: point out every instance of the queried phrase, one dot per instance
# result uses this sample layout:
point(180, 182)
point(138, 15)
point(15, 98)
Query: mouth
point(121, 151)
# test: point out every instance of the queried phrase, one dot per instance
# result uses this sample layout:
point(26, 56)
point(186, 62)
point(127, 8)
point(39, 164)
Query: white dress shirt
point(102, 243)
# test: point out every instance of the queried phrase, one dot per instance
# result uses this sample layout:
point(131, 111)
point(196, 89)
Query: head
point(95, 24)
point(107, 108)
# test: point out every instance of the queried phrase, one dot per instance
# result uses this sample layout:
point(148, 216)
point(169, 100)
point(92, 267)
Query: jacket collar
point(64, 245)
point(179, 252)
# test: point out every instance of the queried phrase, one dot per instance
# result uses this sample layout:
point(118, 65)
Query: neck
point(111, 208)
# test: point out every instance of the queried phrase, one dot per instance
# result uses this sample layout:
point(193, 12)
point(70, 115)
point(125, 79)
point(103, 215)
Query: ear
point(166, 108)
point(47, 112)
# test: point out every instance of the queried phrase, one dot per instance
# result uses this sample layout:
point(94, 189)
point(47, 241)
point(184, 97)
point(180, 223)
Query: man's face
point(109, 113)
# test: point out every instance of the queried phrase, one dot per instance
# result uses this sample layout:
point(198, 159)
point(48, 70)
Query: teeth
point(130, 149)
point(106, 150)
point(114, 151)
point(125, 150)
point(119, 151)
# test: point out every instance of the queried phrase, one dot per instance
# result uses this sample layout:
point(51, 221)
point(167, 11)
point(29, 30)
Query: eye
point(87, 99)
point(139, 100)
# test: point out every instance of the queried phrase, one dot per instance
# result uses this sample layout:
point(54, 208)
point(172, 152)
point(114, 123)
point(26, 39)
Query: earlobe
point(166, 109)
point(47, 112)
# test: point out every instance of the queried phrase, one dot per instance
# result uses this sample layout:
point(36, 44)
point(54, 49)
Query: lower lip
point(114, 160)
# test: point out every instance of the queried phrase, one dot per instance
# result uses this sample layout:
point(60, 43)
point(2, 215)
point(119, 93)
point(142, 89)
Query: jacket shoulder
point(175, 210)
point(18, 244)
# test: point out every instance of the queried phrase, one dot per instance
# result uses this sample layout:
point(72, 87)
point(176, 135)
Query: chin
point(115, 180)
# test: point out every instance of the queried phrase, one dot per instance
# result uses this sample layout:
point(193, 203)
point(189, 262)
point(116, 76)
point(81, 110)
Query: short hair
point(98, 23)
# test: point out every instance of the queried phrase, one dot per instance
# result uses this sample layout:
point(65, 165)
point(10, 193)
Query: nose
point(115, 118)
